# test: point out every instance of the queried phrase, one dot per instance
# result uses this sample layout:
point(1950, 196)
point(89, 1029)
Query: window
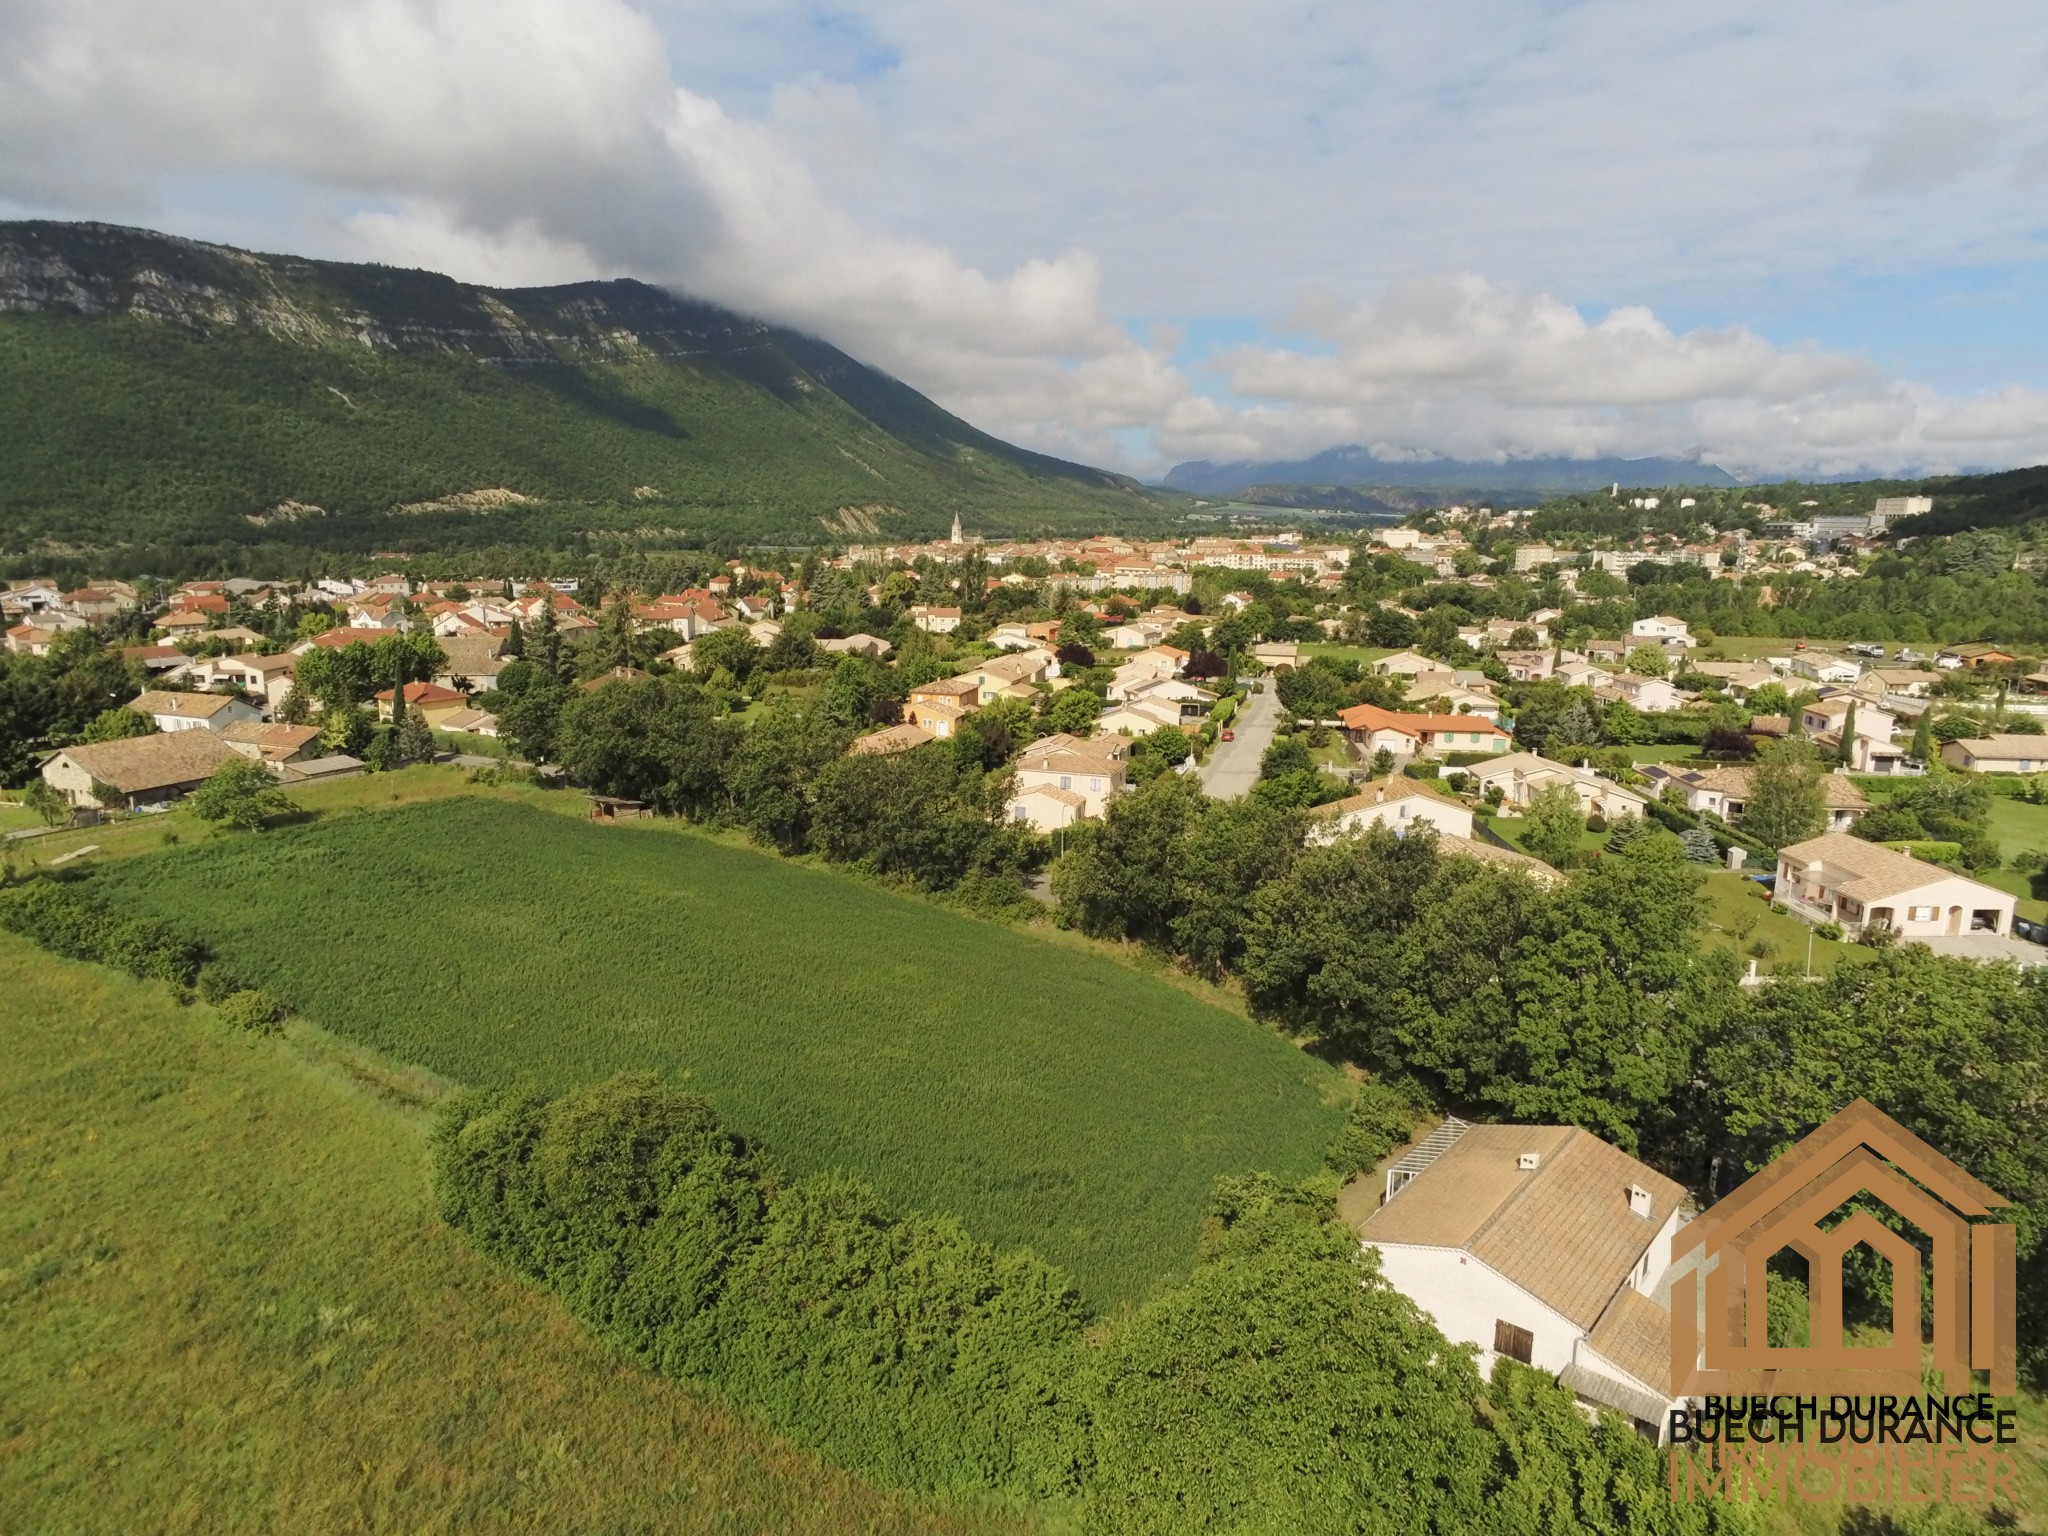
point(1066, 781)
point(1095, 784)
point(1515, 1343)
point(1922, 914)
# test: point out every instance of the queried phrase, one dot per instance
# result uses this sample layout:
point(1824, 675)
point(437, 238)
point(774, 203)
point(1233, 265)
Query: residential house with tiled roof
point(1421, 736)
point(1521, 776)
point(173, 712)
point(273, 744)
point(1062, 779)
point(1836, 878)
point(1538, 1243)
point(1997, 754)
point(1725, 792)
point(140, 770)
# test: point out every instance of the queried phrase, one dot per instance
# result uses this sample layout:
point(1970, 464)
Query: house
point(30, 639)
point(897, 738)
point(1908, 682)
point(1998, 754)
point(95, 603)
point(183, 622)
point(471, 722)
point(1662, 629)
point(268, 677)
point(317, 770)
point(1521, 776)
point(592, 685)
point(273, 744)
point(194, 711)
point(1277, 655)
point(854, 645)
point(1397, 803)
point(1540, 1243)
point(141, 770)
point(1150, 665)
point(1529, 557)
point(1018, 636)
point(165, 661)
point(1012, 675)
point(1405, 664)
point(1738, 678)
point(430, 701)
point(1528, 666)
point(1581, 673)
point(472, 662)
point(1835, 878)
point(1725, 792)
point(1062, 779)
point(1132, 635)
point(1429, 736)
point(935, 621)
point(1822, 667)
point(1647, 695)
point(1974, 654)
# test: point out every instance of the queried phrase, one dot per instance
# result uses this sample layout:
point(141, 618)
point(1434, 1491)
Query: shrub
point(257, 1012)
point(1829, 931)
point(56, 915)
point(1379, 1121)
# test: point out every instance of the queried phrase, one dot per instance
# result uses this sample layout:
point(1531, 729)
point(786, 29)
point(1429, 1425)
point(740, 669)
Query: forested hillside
point(158, 393)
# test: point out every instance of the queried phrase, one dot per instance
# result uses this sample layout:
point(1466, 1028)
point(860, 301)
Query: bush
point(257, 1012)
point(61, 918)
point(1829, 931)
point(1379, 1121)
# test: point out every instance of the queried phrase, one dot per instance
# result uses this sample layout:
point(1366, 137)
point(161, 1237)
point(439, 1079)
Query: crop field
point(226, 1304)
point(1047, 1096)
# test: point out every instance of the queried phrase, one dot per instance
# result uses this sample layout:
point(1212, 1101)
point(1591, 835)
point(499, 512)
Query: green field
point(1363, 654)
point(1047, 1096)
point(227, 1304)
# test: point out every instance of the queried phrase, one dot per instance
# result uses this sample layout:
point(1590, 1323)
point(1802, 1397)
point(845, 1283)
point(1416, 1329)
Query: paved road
point(1233, 768)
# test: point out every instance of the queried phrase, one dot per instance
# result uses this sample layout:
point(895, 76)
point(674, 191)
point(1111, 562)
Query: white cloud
point(1000, 182)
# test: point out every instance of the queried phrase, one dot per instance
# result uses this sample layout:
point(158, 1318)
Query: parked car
point(1229, 735)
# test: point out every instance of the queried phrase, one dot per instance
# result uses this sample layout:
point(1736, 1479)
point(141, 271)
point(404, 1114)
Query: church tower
point(957, 537)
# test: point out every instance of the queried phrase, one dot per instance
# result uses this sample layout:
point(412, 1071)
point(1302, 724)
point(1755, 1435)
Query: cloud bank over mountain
point(1037, 214)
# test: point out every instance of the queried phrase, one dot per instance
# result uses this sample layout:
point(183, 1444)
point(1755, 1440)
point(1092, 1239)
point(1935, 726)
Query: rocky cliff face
point(104, 270)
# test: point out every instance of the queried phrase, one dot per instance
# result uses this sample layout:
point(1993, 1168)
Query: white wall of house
point(1400, 815)
point(1465, 1298)
point(1094, 789)
point(1947, 904)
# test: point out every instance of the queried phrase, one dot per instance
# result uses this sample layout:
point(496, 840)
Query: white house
point(935, 621)
point(1648, 695)
point(1662, 629)
point(1149, 665)
point(1823, 668)
point(1521, 776)
point(1725, 792)
point(1835, 878)
point(1541, 1243)
point(1397, 803)
point(194, 711)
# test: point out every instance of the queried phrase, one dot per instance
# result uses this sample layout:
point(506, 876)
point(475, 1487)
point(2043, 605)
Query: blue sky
point(1795, 238)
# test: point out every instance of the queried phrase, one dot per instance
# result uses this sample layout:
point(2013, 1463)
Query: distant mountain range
point(159, 395)
point(1358, 468)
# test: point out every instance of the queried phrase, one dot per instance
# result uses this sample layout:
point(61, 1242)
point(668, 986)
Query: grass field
point(1046, 1096)
point(1365, 654)
point(226, 1304)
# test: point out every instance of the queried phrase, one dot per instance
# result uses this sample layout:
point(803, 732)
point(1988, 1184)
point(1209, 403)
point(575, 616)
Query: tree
point(1553, 824)
point(1075, 711)
point(346, 729)
point(1648, 661)
point(1923, 735)
point(1382, 762)
point(295, 708)
point(117, 725)
point(730, 650)
point(1124, 880)
point(47, 801)
point(774, 768)
point(1846, 752)
point(242, 794)
point(1287, 754)
point(1787, 800)
point(412, 741)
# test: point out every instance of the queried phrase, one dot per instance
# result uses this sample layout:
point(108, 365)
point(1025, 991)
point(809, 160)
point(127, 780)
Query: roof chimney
point(1529, 1161)
point(1639, 1201)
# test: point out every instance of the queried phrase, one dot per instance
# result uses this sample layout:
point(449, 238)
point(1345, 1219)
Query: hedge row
point(65, 920)
point(1285, 1386)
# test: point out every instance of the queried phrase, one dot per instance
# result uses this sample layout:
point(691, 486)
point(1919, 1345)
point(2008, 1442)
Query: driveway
point(1233, 768)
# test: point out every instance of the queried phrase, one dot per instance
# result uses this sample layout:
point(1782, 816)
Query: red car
point(1230, 735)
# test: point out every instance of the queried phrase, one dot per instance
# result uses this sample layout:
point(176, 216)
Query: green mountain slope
point(155, 390)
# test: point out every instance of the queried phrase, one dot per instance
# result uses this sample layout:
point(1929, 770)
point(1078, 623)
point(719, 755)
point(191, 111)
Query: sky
point(1804, 239)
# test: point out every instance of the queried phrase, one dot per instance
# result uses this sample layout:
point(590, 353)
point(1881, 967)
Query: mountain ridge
point(162, 388)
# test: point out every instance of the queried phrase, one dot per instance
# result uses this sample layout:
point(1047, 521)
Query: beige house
point(273, 744)
point(142, 770)
point(897, 738)
point(1062, 779)
point(1998, 754)
point(1725, 792)
point(1521, 776)
point(1836, 878)
point(1537, 1243)
point(175, 712)
point(935, 621)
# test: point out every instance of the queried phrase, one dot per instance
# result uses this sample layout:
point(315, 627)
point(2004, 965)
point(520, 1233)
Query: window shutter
point(1515, 1343)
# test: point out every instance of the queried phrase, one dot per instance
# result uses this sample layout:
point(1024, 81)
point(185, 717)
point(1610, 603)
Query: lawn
point(1663, 752)
point(14, 817)
point(226, 1304)
point(1046, 1096)
point(2017, 828)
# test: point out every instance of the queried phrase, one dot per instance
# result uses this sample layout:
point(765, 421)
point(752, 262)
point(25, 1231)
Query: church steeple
point(958, 538)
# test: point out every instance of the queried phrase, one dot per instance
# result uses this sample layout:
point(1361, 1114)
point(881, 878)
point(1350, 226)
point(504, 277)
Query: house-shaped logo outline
point(1861, 1150)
